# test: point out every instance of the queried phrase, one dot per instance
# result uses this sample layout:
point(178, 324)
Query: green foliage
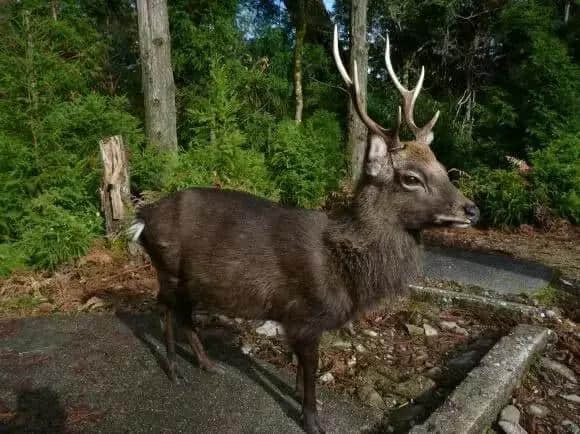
point(506, 78)
point(52, 235)
point(308, 159)
point(503, 196)
point(556, 175)
point(12, 258)
point(52, 119)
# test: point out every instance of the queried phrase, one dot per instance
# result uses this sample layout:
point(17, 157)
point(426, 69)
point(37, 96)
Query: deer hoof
point(213, 367)
point(312, 425)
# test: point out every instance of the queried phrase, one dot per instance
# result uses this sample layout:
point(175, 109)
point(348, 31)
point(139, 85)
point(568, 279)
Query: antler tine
point(354, 89)
point(425, 133)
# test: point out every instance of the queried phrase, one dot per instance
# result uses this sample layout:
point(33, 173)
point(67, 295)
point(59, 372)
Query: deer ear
point(377, 157)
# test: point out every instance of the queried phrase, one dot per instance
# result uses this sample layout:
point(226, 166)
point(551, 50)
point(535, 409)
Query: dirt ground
point(385, 359)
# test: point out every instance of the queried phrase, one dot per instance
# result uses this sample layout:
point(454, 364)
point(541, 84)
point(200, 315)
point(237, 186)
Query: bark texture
point(356, 130)
point(115, 187)
point(157, 74)
point(298, 55)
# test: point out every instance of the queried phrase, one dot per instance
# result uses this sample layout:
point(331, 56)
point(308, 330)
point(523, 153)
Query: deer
point(309, 270)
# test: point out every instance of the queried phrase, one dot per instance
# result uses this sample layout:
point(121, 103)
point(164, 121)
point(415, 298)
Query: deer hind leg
point(185, 322)
point(169, 341)
point(307, 352)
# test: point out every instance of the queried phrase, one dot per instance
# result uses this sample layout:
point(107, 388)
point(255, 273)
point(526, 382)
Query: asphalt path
point(496, 272)
point(105, 373)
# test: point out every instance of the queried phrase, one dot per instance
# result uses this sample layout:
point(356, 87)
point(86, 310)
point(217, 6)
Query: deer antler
point(391, 136)
point(424, 134)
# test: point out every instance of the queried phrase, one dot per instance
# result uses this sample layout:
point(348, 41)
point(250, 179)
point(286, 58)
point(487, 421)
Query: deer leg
point(299, 390)
point(185, 322)
point(307, 352)
point(170, 343)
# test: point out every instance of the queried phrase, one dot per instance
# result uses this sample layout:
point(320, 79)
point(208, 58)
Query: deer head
point(404, 177)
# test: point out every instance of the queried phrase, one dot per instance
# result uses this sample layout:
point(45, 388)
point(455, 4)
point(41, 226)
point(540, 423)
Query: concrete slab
point(496, 272)
point(103, 373)
point(515, 310)
point(476, 402)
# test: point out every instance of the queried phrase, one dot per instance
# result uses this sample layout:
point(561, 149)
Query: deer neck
point(374, 254)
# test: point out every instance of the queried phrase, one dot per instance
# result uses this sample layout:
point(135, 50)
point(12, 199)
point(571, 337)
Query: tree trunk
point(54, 7)
point(300, 24)
point(115, 189)
point(157, 75)
point(31, 78)
point(567, 11)
point(357, 132)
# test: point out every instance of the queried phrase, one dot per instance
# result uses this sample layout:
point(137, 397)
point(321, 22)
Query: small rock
point(369, 396)
point(416, 318)
point(247, 349)
point(92, 304)
point(461, 331)
point(573, 398)
point(46, 307)
point(433, 373)
point(414, 330)
point(430, 331)
point(510, 413)
point(222, 319)
point(370, 333)
point(360, 348)
point(351, 361)
point(570, 427)
point(414, 387)
point(559, 368)
point(326, 378)
point(511, 428)
point(270, 328)
point(538, 410)
point(448, 325)
point(349, 327)
point(343, 345)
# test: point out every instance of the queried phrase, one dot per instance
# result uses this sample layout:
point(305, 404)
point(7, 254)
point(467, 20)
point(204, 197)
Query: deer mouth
point(455, 222)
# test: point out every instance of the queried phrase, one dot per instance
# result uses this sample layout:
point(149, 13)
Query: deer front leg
point(307, 352)
point(170, 343)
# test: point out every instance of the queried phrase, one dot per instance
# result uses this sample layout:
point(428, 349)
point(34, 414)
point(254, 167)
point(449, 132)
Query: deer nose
point(472, 213)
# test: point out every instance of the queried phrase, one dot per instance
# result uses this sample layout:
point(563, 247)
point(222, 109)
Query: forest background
point(260, 106)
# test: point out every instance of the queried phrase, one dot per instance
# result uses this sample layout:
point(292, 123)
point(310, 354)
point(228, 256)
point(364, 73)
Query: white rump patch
point(134, 231)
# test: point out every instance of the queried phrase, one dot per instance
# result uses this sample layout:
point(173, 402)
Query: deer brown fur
point(243, 256)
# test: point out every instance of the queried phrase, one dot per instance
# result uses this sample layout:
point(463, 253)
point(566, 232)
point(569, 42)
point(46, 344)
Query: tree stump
point(115, 189)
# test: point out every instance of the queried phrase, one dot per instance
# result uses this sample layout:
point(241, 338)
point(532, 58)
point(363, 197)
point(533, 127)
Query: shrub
point(307, 159)
point(503, 196)
point(556, 175)
point(53, 235)
point(226, 165)
point(12, 258)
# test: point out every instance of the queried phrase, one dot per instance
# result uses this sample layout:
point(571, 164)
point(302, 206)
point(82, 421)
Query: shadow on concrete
point(218, 342)
point(38, 411)
point(492, 271)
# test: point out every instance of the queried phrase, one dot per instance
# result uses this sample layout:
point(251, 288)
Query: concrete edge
point(460, 298)
point(476, 402)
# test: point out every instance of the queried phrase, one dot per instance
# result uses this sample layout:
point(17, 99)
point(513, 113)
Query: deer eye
point(411, 182)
